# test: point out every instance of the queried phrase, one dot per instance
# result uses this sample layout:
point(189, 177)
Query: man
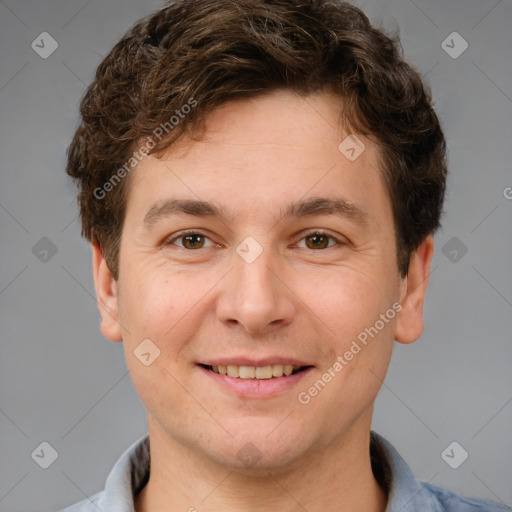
point(260, 182)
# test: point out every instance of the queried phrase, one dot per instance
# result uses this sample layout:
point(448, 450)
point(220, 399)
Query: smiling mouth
point(270, 371)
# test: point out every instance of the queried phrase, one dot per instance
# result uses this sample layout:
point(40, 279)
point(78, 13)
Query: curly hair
point(204, 53)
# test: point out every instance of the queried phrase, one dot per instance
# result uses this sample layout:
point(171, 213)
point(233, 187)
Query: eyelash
point(186, 233)
point(183, 234)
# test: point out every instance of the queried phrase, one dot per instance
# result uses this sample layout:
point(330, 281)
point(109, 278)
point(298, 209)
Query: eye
point(319, 240)
point(190, 240)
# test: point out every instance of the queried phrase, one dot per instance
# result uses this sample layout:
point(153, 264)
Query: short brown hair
point(214, 51)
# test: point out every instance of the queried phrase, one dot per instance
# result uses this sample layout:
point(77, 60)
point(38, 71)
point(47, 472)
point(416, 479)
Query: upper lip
point(246, 361)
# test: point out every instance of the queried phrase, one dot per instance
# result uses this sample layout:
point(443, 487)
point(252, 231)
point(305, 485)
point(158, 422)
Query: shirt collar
point(128, 476)
point(405, 494)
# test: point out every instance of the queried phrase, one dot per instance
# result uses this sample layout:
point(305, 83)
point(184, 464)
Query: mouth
point(267, 372)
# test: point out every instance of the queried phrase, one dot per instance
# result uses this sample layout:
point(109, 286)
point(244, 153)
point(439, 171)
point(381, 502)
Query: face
point(260, 246)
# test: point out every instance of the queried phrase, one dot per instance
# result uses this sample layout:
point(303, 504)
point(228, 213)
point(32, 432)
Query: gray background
point(62, 383)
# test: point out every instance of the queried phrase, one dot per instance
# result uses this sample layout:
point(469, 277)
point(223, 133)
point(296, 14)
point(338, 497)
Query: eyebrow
point(314, 206)
point(170, 207)
point(337, 206)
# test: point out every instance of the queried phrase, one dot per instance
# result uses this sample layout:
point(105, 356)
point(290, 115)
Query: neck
point(339, 477)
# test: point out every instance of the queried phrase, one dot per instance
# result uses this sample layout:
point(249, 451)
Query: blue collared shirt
point(405, 494)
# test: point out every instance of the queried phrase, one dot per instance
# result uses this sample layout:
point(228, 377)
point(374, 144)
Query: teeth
point(247, 372)
point(233, 371)
point(277, 370)
point(255, 372)
point(263, 372)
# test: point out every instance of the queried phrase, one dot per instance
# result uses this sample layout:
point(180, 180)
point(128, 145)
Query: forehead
point(267, 150)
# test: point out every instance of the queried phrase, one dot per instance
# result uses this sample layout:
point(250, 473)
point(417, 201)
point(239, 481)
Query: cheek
point(157, 311)
point(164, 305)
point(350, 305)
point(347, 302)
point(358, 344)
point(149, 297)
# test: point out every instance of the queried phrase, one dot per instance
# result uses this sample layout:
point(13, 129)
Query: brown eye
point(190, 240)
point(317, 241)
point(195, 241)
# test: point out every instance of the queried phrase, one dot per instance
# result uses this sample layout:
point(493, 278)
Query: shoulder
point(450, 501)
point(407, 494)
point(92, 504)
point(129, 474)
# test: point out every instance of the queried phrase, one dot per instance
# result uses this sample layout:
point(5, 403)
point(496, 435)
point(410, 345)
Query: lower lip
point(256, 388)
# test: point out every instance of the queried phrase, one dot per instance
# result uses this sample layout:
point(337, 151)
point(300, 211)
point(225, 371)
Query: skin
point(294, 300)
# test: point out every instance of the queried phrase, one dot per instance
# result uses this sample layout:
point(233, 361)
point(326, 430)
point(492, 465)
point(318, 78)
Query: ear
point(107, 295)
point(409, 324)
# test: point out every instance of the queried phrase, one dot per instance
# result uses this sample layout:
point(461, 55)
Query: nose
point(256, 296)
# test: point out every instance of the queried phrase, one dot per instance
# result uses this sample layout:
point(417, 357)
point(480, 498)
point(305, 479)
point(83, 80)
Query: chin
point(260, 449)
point(265, 463)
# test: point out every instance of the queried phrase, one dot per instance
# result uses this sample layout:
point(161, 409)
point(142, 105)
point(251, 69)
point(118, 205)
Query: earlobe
point(107, 296)
point(409, 324)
